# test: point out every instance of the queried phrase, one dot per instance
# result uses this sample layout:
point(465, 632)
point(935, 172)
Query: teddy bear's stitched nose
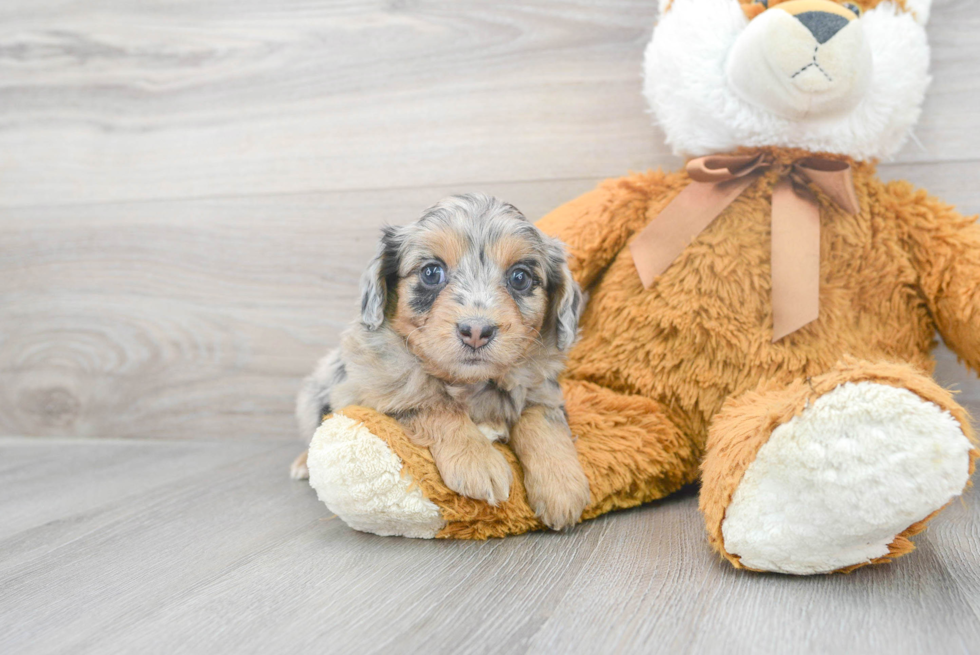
point(823, 25)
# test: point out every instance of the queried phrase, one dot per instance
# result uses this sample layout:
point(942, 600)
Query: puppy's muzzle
point(476, 333)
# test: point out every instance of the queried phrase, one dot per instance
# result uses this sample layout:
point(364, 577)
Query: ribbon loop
point(717, 180)
point(722, 168)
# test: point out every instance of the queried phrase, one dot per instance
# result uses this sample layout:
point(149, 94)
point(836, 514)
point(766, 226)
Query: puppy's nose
point(476, 334)
point(823, 25)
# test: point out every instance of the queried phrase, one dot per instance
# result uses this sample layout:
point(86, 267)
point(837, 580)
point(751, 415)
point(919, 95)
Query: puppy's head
point(472, 286)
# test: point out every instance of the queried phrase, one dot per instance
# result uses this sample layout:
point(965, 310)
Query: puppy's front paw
point(477, 471)
point(558, 494)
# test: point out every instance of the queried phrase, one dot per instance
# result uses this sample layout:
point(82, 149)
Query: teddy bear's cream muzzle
point(803, 58)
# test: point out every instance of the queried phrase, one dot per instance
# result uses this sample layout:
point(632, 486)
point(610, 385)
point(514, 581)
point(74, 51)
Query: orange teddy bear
point(761, 321)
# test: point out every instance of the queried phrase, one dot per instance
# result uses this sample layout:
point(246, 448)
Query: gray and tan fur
point(465, 318)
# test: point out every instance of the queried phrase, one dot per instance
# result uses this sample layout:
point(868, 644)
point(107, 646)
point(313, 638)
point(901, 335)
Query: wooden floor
point(189, 190)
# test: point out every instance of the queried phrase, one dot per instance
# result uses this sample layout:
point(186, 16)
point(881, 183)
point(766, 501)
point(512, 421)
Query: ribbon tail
point(656, 247)
point(834, 178)
point(795, 258)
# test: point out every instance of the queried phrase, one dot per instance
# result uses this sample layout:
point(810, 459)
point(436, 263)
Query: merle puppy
point(465, 318)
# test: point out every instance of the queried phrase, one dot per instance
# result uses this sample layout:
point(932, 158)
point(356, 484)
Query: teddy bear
point(760, 321)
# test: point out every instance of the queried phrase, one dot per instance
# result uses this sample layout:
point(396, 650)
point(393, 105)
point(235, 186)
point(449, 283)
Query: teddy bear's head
point(822, 75)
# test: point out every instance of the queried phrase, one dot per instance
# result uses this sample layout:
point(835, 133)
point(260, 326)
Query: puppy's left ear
point(376, 279)
point(565, 294)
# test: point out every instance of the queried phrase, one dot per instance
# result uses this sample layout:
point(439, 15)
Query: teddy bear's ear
point(920, 9)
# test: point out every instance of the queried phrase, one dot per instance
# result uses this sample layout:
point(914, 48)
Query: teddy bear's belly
point(703, 331)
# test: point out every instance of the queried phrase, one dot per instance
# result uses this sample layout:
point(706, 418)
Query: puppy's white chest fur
point(494, 431)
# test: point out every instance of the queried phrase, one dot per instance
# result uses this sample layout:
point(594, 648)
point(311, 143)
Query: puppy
point(465, 318)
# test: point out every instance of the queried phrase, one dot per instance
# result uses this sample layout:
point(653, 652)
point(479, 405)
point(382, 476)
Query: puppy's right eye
point(432, 275)
point(520, 279)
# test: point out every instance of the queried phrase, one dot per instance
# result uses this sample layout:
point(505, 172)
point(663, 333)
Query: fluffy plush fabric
point(363, 482)
point(682, 379)
point(630, 454)
point(702, 332)
point(653, 368)
point(822, 474)
point(692, 99)
point(857, 467)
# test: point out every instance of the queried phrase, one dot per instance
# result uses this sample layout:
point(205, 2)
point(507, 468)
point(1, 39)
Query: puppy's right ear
point(380, 273)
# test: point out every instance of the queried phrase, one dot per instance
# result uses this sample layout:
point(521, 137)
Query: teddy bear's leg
point(367, 471)
point(631, 451)
point(833, 472)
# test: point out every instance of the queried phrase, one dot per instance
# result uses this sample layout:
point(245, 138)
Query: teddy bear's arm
point(596, 226)
point(945, 249)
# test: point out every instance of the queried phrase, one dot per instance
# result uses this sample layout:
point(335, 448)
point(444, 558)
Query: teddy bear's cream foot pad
point(834, 486)
point(360, 479)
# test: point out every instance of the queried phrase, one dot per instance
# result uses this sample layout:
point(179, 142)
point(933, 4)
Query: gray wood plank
point(188, 319)
point(246, 98)
point(120, 100)
point(234, 557)
point(57, 491)
point(99, 471)
point(196, 319)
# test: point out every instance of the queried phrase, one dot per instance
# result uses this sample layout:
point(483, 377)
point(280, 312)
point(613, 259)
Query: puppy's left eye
point(520, 279)
point(854, 8)
point(433, 275)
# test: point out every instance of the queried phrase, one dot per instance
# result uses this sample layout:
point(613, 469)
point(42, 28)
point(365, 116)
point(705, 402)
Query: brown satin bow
point(717, 181)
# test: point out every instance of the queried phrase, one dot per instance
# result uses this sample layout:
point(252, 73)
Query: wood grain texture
point(196, 319)
point(232, 557)
point(189, 190)
point(120, 100)
point(188, 319)
point(164, 271)
point(157, 100)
